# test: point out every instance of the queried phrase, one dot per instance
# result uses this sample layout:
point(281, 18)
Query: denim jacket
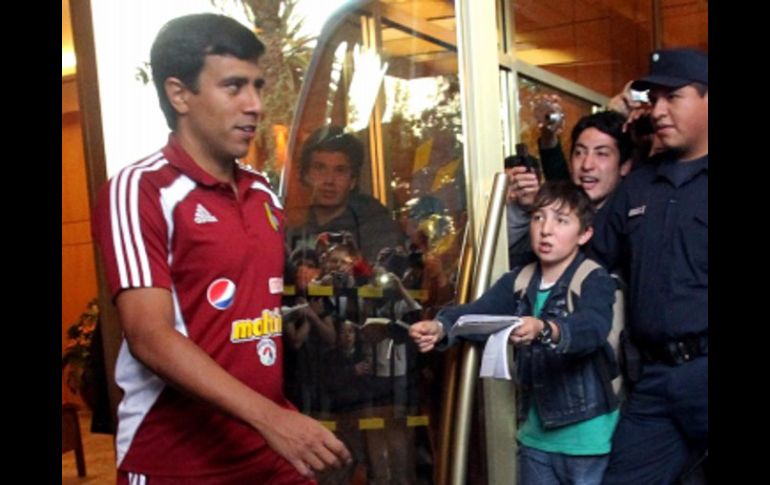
point(571, 382)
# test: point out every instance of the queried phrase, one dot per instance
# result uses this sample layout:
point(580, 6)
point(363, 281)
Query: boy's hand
point(528, 331)
point(426, 333)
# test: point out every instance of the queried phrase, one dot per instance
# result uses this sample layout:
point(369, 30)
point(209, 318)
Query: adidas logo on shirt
point(203, 216)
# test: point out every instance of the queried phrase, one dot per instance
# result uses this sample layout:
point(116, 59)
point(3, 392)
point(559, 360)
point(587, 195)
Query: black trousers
point(663, 424)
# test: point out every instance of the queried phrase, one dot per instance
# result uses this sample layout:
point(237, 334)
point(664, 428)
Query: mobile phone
point(522, 158)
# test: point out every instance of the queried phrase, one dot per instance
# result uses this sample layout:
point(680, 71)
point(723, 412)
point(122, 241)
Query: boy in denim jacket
point(567, 410)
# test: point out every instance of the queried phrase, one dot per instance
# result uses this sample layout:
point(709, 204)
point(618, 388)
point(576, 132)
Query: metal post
point(470, 363)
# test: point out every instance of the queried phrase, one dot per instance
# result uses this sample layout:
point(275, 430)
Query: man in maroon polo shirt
point(192, 243)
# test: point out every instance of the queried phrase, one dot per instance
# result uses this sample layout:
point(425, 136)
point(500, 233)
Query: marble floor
point(99, 451)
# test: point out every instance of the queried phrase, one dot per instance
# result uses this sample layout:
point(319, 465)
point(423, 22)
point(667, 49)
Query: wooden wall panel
point(74, 204)
point(78, 272)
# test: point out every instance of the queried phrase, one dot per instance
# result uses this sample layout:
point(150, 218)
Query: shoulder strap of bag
point(576, 283)
point(618, 314)
point(522, 280)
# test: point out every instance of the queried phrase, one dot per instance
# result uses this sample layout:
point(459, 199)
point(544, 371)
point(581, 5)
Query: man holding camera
point(599, 159)
point(657, 234)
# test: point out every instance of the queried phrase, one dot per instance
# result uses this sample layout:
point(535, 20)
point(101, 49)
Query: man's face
point(331, 178)
point(556, 235)
point(595, 164)
point(681, 120)
point(219, 119)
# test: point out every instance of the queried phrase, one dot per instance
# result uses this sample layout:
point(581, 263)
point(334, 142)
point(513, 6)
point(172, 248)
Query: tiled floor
point(99, 450)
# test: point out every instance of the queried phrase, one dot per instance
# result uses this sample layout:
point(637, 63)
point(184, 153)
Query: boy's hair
point(181, 47)
point(610, 123)
point(566, 193)
point(333, 139)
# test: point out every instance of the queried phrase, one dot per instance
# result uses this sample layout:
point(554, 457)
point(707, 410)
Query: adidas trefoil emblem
point(203, 216)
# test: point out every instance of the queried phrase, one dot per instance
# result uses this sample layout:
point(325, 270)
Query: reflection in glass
point(375, 207)
point(531, 94)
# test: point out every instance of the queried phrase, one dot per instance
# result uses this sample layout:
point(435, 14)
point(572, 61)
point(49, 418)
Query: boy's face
point(219, 119)
point(596, 164)
point(556, 235)
point(330, 176)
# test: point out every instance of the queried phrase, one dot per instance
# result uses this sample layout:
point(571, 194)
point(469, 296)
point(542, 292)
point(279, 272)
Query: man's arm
point(147, 316)
point(555, 165)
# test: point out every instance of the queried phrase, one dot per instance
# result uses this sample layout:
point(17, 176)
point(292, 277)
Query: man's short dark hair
point(333, 139)
point(566, 193)
point(610, 123)
point(181, 47)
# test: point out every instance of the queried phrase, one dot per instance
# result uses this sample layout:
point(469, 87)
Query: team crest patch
point(271, 218)
point(221, 293)
point(267, 351)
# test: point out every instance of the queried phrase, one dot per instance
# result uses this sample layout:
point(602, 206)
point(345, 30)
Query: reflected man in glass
point(330, 166)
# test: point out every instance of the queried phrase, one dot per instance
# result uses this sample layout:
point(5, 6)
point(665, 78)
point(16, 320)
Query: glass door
point(375, 208)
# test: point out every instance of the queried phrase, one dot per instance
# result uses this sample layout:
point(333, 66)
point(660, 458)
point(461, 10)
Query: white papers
point(482, 324)
point(494, 362)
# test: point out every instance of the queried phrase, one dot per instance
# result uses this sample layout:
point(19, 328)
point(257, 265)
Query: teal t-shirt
point(590, 437)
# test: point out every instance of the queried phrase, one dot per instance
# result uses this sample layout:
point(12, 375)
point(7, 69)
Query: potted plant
point(77, 359)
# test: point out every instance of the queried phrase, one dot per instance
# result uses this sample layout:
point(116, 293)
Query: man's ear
point(353, 183)
point(625, 167)
point(177, 93)
point(583, 238)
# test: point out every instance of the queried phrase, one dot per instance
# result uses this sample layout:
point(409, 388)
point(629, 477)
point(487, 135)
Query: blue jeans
point(544, 468)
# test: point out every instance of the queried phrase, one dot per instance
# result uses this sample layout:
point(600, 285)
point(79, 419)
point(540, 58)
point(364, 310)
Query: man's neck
point(691, 157)
point(324, 215)
point(222, 170)
point(693, 153)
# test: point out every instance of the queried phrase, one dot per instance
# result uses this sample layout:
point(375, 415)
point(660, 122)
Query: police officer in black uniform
point(657, 235)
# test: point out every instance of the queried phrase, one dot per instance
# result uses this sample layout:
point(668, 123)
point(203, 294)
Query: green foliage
point(286, 59)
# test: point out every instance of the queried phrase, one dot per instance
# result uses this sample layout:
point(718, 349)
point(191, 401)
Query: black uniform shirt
point(657, 236)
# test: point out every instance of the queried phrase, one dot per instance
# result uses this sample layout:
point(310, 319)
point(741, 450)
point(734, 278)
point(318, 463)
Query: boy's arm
point(587, 328)
point(497, 300)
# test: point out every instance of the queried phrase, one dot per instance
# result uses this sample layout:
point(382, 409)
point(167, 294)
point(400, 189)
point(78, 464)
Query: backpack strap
point(611, 385)
point(522, 280)
point(576, 283)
